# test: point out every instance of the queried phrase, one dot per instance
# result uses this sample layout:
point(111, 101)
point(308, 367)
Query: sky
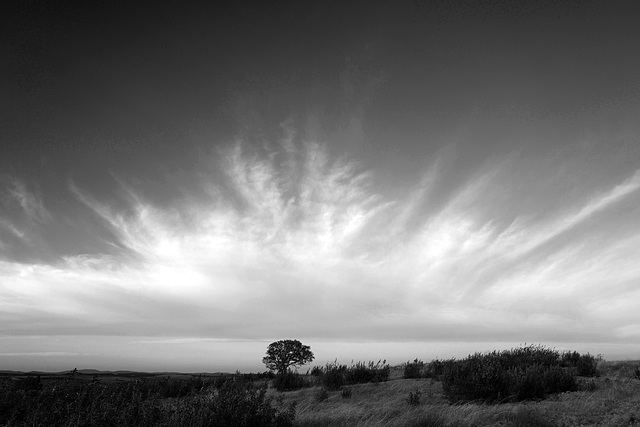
point(182, 184)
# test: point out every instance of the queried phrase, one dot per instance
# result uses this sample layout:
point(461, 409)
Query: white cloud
point(546, 232)
point(310, 249)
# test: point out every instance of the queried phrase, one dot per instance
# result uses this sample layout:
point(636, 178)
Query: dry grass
point(613, 399)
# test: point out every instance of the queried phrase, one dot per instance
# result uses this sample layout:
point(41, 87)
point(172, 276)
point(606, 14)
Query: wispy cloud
point(15, 231)
point(29, 201)
point(548, 231)
point(298, 243)
point(22, 215)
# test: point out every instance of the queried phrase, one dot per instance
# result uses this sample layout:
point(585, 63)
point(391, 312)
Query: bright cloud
point(295, 243)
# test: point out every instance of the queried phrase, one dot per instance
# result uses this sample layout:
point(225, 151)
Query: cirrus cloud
point(294, 242)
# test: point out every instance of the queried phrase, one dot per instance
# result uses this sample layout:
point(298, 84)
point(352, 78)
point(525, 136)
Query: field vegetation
point(526, 386)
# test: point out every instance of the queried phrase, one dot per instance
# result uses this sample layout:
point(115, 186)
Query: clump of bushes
point(30, 383)
point(290, 381)
point(370, 372)
point(414, 369)
point(586, 365)
point(135, 403)
point(316, 371)
point(334, 375)
point(238, 404)
point(414, 398)
point(434, 369)
point(530, 372)
point(176, 387)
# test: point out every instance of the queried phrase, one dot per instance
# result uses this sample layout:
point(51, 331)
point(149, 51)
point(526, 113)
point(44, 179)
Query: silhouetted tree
point(283, 354)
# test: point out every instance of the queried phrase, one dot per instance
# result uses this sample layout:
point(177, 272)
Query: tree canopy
point(283, 354)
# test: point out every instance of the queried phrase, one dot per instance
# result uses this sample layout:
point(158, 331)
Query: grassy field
point(127, 398)
point(612, 399)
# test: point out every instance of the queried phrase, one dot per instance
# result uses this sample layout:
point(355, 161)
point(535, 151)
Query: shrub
point(559, 380)
point(316, 371)
point(29, 383)
point(530, 372)
point(474, 378)
point(167, 387)
point(570, 359)
point(335, 375)
point(586, 365)
point(637, 373)
point(434, 369)
point(414, 398)
point(238, 404)
point(527, 382)
point(134, 403)
point(360, 372)
point(413, 369)
point(289, 381)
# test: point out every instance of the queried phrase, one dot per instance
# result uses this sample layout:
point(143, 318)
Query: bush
point(316, 371)
point(333, 376)
point(289, 381)
point(530, 372)
point(559, 380)
point(135, 403)
point(367, 373)
point(586, 365)
point(527, 382)
point(414, 398)
point(29, 383)
point(238, 404)
point(413, 369)
point(167, 388)
point(434, 369)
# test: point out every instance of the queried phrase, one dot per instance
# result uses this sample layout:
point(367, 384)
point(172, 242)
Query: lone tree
point(286, 353)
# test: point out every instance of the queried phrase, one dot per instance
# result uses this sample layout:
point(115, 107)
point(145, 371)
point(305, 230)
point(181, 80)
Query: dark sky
point(472, 155)
point(106, 84)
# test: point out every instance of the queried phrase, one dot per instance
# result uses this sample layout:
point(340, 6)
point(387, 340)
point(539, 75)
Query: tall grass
point(414, 369)
point(333, 375)
point(604, 393)
point(529, 372)
point(140, 403)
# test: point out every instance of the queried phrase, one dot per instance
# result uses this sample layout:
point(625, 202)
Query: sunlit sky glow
point(427, 180)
